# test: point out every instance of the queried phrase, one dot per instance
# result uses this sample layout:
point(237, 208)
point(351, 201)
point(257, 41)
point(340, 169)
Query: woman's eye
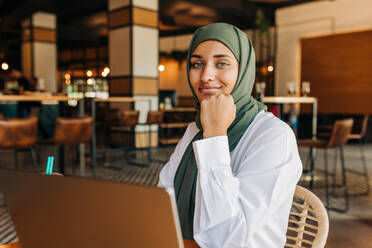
point(222, 64)
point(196, 65)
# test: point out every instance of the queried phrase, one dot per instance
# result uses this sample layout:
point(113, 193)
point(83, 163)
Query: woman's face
point(213, 70)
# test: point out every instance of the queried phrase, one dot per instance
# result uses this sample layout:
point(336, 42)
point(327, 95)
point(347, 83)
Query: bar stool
point(153, 118)
point(128, 121)
point(19, 134)
point(340, 135)
point(361, 128)
point(71, 131)
point(122, 122)
point(357, 133)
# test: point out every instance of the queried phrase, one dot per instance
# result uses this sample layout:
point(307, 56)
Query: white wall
point(309, 20)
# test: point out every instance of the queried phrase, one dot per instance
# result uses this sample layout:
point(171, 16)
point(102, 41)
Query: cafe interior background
point(107, 58)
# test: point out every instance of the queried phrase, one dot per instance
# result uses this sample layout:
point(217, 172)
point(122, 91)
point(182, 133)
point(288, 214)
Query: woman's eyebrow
point(215, 56)
point(221, 56)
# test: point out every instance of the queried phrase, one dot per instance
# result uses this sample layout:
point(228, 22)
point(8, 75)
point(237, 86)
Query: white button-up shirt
point(243, 197)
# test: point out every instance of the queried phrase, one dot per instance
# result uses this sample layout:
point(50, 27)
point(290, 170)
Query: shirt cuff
point(212, 152)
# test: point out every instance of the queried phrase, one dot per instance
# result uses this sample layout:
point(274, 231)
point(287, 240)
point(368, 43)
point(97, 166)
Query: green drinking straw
point(49, 168)
point(51, 165)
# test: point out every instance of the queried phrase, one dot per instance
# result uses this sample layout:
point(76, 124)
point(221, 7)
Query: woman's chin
point(205, 96)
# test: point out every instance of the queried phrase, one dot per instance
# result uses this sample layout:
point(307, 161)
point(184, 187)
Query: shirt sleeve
point(238, 209)
point(166, 176)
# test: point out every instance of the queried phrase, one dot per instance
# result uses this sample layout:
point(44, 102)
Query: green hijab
point(246, 110)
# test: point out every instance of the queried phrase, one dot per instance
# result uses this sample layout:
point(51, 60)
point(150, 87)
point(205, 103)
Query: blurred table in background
point(174, 124)
point(48, 97)
point(280, 100)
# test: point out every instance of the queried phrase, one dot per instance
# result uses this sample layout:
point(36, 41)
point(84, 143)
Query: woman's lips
point(209, 90)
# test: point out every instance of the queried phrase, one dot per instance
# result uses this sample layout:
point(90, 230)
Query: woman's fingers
point(216, 115)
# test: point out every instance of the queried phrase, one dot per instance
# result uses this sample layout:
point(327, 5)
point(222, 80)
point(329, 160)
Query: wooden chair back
point(340, 133)
point(18, 133)
point(308, 222)
point(360, 126)
point(155, 117)
point(73, 131)
point(129, 118)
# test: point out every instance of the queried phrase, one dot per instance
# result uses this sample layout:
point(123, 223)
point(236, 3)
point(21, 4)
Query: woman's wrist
point(209, 133)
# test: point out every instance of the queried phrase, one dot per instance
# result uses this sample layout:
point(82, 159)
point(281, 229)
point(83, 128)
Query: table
point(186, 243)
point(171, 123)
point(39, 97)
point(301, 100)
point(12, 245)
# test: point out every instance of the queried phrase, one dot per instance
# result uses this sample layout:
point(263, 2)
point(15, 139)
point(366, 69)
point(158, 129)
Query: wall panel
point(339, 70)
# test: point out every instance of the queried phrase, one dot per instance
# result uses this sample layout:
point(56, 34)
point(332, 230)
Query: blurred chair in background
point(124, 123)
point(19, 134)
point(340, 135)
point(70, 132)
point(153, 118)
point(357, 134)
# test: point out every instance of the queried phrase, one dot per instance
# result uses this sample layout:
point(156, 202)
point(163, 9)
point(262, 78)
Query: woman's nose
point(208, 74)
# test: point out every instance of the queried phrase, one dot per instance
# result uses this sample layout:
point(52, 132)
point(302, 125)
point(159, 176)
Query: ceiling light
point(4, 66)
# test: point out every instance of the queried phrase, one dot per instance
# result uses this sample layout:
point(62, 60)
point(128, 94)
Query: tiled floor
point(351, 229)
point(354, 228)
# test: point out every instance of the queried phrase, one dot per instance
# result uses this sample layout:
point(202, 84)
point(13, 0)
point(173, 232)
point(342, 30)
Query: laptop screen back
point(60, 212)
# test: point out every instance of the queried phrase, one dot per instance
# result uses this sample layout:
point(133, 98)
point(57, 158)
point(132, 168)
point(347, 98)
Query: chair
point(339, 137)
point(19, 134)
point(357, 133)
point(123, 122)
point(153, 118)
point(71, 131)
point(308, 222)
point(361, 128)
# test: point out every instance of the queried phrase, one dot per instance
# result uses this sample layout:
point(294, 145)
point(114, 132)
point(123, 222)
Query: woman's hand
point(216, 115)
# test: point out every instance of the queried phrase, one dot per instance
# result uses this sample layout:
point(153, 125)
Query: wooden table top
point(61, 98)
point(186, 243)
point(289, 99)
point(180, 109)
point(12, 245)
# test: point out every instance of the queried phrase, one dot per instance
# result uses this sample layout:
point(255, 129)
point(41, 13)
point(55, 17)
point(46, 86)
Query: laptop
point(66, 212)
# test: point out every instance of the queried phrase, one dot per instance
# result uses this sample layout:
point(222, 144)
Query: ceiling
point(85, 24)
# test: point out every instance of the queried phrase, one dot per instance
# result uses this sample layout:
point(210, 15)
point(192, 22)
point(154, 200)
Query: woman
point(235, 170)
